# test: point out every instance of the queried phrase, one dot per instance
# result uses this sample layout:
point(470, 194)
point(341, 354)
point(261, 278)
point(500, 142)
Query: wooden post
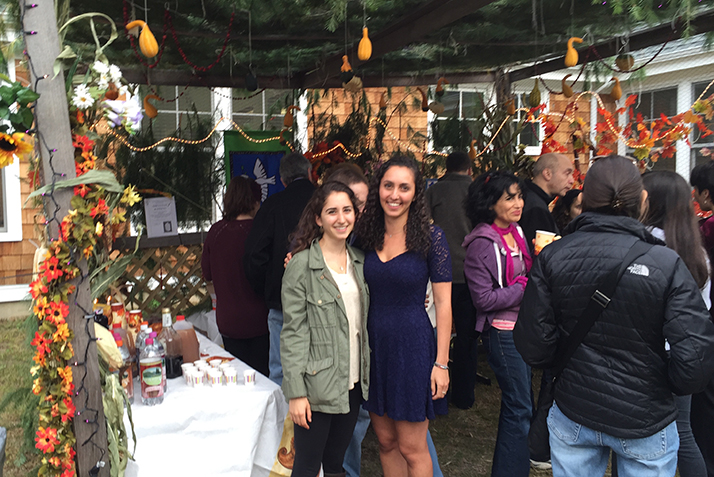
point(54, 140)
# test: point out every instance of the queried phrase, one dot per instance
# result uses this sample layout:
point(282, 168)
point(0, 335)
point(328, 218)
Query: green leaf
point(4, 112)
point(102, 177)
point(106, 278)
point(27, 117)
point(26, 96)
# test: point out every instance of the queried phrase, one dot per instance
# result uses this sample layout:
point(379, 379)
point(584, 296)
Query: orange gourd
point(510, 107)
point(147, 43)
point(289, 119)
point(383, 101)
point(567, 90)
point(424, 101)
point(150, 109)
point(616, 92)
point(364, 49)
point(571, 56)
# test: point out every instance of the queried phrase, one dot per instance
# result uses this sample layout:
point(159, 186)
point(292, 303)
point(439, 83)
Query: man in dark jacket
point(267, 245)
point(620, 380)
point(552, 176)
point(446, 203)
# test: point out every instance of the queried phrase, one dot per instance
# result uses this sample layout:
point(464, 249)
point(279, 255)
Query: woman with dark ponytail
point(615, 392)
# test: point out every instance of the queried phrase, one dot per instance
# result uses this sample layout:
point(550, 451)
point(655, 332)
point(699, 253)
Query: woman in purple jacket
point(496, 265)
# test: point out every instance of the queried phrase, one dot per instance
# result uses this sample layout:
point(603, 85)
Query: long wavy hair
point(561, 211)
point(307, 229)
point(671, 209)
point(484, 192)
point(370, 228)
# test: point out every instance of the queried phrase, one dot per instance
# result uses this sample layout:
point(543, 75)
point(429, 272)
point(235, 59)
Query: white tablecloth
point(209, 431)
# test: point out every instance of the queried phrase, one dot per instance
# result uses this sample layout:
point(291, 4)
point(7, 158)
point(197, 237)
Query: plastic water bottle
point(162, 351)
point(151, 370)
point(141, 339)
point(125, 371)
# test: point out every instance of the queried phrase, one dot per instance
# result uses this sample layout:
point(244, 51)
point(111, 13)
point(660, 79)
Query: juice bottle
point(172, 345)
point(189, 341)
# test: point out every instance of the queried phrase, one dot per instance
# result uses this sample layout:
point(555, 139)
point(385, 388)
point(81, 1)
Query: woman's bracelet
point(440, 366)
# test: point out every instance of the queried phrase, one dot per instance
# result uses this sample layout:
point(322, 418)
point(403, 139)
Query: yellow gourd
point(625, 62)
point(147, 43)
point(534, 97)
point(571, 56)
point(510, 107)
point(364, 50)
point(383, 101)
point(424, 101)
point(150, 109)
point(567, 90)
point(288, 119)
point(472, 150)
point(616, 92)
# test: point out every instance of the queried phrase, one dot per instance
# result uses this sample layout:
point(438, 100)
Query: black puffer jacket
point(620, 380)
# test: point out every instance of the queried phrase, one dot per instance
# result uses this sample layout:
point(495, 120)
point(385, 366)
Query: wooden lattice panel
point(164, 277)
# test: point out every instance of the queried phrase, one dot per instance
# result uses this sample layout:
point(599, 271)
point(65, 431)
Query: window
point(263, 111)
point(179, 102)
point(531, 134)
point(651, 105)
point(10, 203)
point(700, 143)
point(461, 120)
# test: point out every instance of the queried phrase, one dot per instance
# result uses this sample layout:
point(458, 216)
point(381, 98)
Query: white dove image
point(262, 179)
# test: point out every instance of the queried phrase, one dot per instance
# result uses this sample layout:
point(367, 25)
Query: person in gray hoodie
point(496, 264)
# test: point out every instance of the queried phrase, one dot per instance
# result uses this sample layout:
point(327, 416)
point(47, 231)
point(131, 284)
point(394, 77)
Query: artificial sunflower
point(11, 146)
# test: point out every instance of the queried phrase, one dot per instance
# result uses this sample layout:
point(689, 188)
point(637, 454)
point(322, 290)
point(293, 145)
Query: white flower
point(82, 101)
point(115, 73)
point(103, 82)
point(81, 90)
point(100, 67)
point(123, 89)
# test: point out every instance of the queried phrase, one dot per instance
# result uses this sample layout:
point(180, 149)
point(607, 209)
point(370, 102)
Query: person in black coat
point(616, 391)
point(267, 245)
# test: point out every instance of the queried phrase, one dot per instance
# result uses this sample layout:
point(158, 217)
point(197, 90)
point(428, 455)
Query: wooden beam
point(53, 131)
point(638, 41)
point(184, 77)
point(408, 29)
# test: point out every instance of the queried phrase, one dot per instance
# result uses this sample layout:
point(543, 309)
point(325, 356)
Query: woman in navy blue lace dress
point(409, 373)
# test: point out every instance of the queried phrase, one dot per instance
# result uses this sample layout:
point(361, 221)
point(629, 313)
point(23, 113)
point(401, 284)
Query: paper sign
point(160, 217)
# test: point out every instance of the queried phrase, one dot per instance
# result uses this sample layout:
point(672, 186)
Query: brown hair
point(241, 196)
point(613, 186)
point(347, 173)
point(307, 229)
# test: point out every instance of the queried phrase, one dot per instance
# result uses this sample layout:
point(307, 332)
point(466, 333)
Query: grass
point(15, 362)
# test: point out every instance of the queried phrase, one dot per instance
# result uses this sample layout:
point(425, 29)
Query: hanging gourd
point(353, 85)
point(383, 101)
point(147, 43)
point(436, 107)
point(346, 70)
point(472, 150)
point(567, 90)
point(616, 92)
point(571, 56)
point(364, 49)
point(112, 92)
point(150, 109)
point(289, 119)
point(510, 107)
point(534, 97)
point(424, 101)
point(440, 86)
point(282, 139)
point(251, 82)
point(625, 62)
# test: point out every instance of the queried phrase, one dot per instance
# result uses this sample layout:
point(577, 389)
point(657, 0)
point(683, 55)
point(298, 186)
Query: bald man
point(552, 176)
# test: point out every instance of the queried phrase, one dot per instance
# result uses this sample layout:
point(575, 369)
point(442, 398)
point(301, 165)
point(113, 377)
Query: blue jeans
point(353, 456)
point(275, 326)
point(510, 457)
point(576, 450)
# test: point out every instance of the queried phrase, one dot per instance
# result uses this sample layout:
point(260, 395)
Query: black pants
point(702, 419)
point(464, 354)
point(326, 441)
point(252, 351)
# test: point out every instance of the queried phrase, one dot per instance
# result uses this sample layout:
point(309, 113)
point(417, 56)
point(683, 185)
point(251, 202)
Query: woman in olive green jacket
point(323, 346)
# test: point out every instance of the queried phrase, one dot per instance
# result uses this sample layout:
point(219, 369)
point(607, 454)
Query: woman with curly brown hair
point(323, 344)
point(408, 367)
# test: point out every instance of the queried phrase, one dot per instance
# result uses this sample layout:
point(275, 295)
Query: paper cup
point(215, 377)
point(225, 365)
point(199, 362)
point(230, 376)
point(249, 377)
point(215, 362)
point(197, 378)
point(543, 238)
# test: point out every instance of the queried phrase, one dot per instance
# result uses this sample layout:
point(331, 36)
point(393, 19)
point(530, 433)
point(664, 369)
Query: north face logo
point(637, 269)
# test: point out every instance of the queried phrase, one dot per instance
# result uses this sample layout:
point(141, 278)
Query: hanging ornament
point(353, 85)
point(364, 49)
point(625, 62)
point(567, 90)
point(346, 70)
point(424, 101)
point(288, 119)
point(383, 101)
point(472, 150)
point(281, 138)
point(511, 107)
point(440, 86)
point(436, 107)
point(150, 109)
point(571, 56)
point(112, 92)
point(534, 97)
point(616, 92)
point(147, 43)
point(251, 82)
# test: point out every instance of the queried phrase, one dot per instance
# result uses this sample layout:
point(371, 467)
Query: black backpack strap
point(599, 300)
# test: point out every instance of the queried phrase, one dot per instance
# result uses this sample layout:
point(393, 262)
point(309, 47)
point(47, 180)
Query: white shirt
point(347, 284)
